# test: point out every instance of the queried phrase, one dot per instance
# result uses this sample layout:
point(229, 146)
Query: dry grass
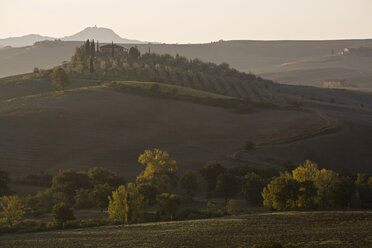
point(306, 229)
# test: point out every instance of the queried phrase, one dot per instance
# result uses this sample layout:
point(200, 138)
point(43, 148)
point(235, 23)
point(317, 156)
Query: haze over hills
point(290, 62)
point(97, 33)
point(22, 41)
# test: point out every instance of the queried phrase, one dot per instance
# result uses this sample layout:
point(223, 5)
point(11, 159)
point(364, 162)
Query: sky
point(191, 21)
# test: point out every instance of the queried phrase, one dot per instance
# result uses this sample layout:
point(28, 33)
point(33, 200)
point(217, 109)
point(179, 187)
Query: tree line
point(302, 187)
point(178, 70)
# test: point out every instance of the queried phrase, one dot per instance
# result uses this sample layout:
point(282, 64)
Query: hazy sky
point(185, 21)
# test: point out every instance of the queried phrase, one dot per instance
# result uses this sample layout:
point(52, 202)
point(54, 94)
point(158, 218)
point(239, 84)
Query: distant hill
point(22, 41)
point(97, 33)
point(100, 34)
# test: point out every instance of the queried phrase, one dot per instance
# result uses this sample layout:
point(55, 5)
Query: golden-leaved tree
point(160, 170)
point(12, 209)
point(126, 204)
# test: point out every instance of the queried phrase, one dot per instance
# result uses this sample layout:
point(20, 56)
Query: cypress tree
point(112, 47)
point(92, 49)
point(91, 68)
point(87, 48)
point(97, 47)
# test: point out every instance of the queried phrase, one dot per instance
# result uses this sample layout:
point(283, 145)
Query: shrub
point(232, 208)
point(62, 213)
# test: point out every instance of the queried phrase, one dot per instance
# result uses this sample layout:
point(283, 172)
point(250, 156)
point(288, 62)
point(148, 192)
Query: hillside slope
point(287, 59)
point(96, 126)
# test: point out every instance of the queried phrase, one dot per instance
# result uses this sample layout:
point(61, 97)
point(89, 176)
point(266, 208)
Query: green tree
point(134, 53)
point(325, 184)
point(210, 172)
point(92, 49)
point(189, 184)
point(126, 204)
point(227, 186)
point(12, 209)
point(4, 181)
point(136, 204)
point(324, 180)
point(83, 199)
point(60, 78)
point(344, 193)
point(363, 186)
point(160, 170)
point(307, 172)
point(232, 208)
point(99, 175)
point(281, 193)
point(100, 195)
point(252, 185)
point(168, 204)
point(149, 192)
point(62, 213)
point(68, 181)
point(307, 194)
point(117, 208)
point(211, 209)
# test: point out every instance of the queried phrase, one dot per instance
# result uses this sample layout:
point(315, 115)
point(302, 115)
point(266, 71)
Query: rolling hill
point(92, 125)
point(98, 123)
point(292, 62)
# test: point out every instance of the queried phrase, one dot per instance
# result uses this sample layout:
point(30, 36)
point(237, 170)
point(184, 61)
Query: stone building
point(113, 50)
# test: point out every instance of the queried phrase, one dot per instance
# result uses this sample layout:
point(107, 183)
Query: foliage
point(117, 208)
point(252, 185)
point(126, 204)
point(60, 78)
point(281, 193)
point(99, 195)
point(12, 209)
point(232, 208)
point(168, 204)
point(43, 202)
point(43, 180)
point(344, 193)
point(62, 213)
point(82, 199)
point(210, 172)
point(189, 184)
point(363, 186)
point(99, 175)
point(68, 181)
point(211, 209)
point(160, 170)
point(309, 187)
point(178, 70)
point(149, 192)
point(134, 53)
point(227, 185)
point(4, 181)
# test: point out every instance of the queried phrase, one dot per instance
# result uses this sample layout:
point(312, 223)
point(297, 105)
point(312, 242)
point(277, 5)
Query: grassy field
point(305, 229)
